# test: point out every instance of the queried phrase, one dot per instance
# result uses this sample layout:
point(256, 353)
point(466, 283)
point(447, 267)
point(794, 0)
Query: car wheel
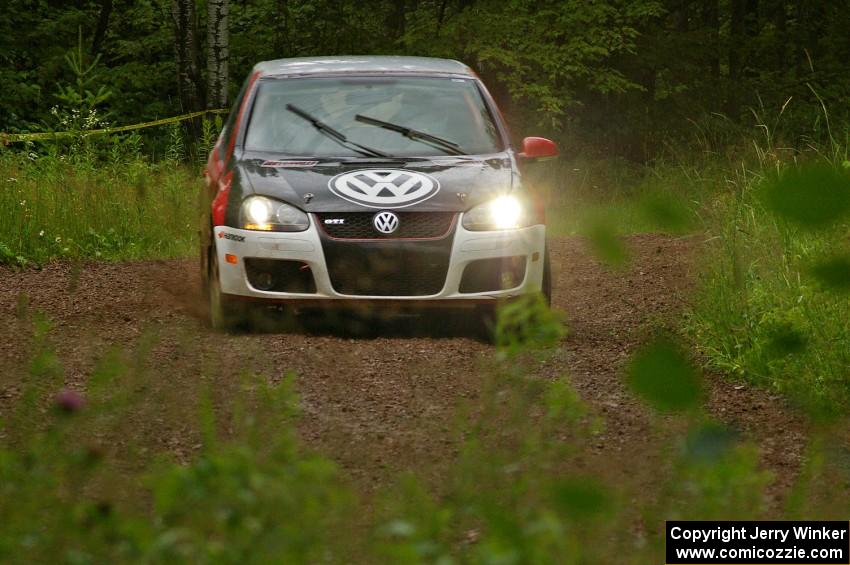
point(485, 318)
point(223, 315)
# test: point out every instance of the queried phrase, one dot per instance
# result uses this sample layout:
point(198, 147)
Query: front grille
point(389, 272)
point(412, 225)
point(389, 267)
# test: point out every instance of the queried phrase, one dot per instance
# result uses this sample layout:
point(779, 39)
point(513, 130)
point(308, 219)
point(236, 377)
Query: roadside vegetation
point(770, 308)
point(773, 305)
point(773, 218)
point(130, 207)
point(85, 478)
point(659, 108)
point(127, 208)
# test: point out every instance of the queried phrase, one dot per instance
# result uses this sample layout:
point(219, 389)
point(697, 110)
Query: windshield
point(448, 108)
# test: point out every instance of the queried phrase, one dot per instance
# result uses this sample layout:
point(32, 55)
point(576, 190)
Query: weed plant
point(772, 306)
point(58, 208)
point(85, 478)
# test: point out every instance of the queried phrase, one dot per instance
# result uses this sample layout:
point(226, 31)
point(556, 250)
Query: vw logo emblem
point(385, 222)
point(384, 188)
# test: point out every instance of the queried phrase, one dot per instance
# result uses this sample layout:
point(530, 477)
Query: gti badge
point(385, 222)
point(384, 188)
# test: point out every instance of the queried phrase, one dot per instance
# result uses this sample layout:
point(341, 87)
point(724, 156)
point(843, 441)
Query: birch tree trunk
point(185, 23)
point(218, 51)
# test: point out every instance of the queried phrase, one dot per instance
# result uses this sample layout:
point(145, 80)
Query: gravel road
point(386, 402)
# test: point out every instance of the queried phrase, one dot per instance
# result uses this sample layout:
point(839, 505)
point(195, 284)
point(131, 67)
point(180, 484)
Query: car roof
point(362, 64)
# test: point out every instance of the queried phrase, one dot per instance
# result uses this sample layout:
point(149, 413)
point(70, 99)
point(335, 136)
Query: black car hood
point(460, 182)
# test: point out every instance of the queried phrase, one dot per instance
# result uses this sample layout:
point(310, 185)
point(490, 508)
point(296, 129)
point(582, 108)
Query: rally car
point(380, 181)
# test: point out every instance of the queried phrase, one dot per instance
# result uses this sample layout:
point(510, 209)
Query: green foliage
point(241, 505)
point(725, 487)
point(771, 308)
point(662, 375)
point(570, 43)
point(251, 498)
point(580, 498)
point(134, 58)
point(80, 110)
point(606, 199)
point(209, 135)
point(833, 273)
point(667, 214)
point(79, 97)
point(55, 209)
point(812, 197)
point(527, 323)
point(618, 77)
point(91, 483)
point(82, 481)
point(175, 151)
point(606, 243)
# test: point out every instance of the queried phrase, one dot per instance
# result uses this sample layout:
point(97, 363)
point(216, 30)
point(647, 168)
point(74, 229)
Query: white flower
point(41, 233)
point(11, 179)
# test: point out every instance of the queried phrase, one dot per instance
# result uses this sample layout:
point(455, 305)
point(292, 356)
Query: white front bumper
point(306, 246)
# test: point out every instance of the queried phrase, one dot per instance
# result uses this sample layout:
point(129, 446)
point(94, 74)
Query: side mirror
point(538, 149)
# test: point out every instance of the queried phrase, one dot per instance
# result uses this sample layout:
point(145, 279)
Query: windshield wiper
point(413, 134)
point(334, 134)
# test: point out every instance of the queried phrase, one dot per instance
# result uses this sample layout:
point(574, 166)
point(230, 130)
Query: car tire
point(485, 320)
point(223, 314)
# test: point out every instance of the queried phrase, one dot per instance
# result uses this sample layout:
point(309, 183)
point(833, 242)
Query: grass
point(56, 209)
point(128, 209)
point(773, 298)
point(764, 312)
point(85, 479)
point(625, 198)
point(82, 485)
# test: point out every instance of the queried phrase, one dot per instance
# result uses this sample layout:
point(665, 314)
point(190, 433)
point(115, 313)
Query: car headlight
point(265, 214)
point(502, 213)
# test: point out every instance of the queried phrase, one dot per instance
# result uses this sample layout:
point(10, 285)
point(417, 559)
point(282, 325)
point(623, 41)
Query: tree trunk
point(682, 16)
point(218, 51)
point(184, 19)
point(441, 13)
point(736, 46)
point(396, 18)
point(711, 19)
point(102, 25)
point(751, 18)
